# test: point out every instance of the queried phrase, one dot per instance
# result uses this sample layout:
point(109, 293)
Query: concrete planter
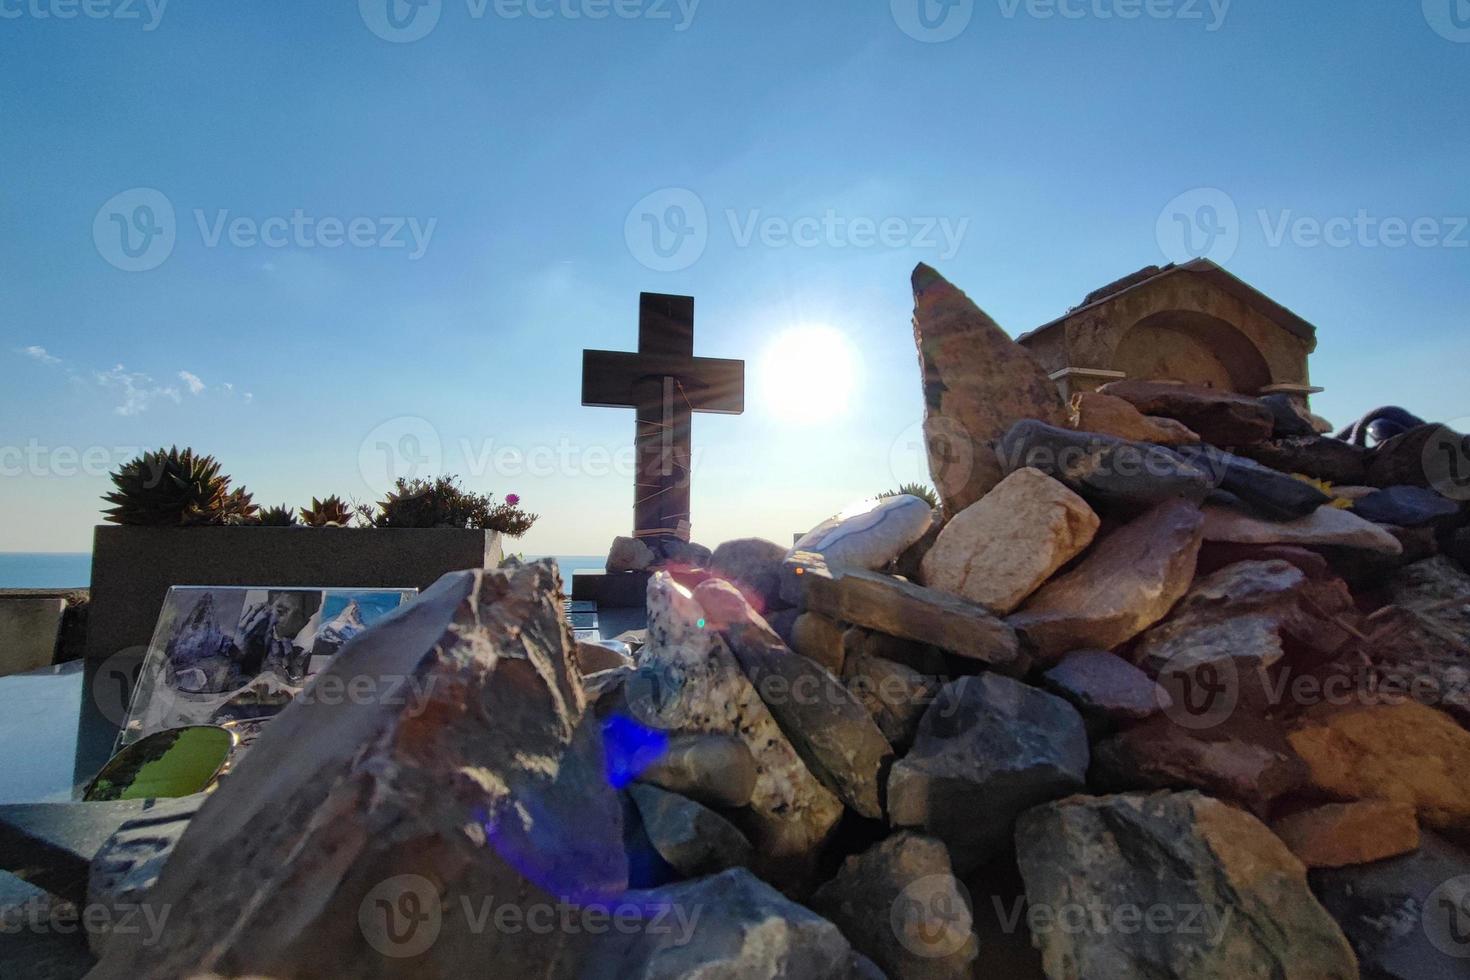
point(133, 568)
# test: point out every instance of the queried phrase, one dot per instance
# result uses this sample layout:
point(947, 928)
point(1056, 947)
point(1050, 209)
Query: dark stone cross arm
point(665, 383)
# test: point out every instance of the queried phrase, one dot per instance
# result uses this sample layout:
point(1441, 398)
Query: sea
point(37, 570)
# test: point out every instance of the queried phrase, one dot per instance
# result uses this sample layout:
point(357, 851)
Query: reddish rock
point(1343, 834)
point(1092, 411)
point(1221, 418)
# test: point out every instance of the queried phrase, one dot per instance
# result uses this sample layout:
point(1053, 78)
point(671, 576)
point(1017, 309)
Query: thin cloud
point(138, 391)
point(193, 381)
point(38, 353)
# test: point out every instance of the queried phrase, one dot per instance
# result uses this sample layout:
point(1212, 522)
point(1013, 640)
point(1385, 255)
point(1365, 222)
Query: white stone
point(872, 534)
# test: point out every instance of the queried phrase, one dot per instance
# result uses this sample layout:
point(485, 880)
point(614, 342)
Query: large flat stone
point(1092, 411)
point(1004, 546)
point(1267, 491)
point(872, 535)
point(1129, 581)
point(1325, 527)
point(1221, 418)
point(977, 384)
point(1321, 458)
point(1101, 468)
point(1342, 834)
point(902, 609)
point(1227, 899)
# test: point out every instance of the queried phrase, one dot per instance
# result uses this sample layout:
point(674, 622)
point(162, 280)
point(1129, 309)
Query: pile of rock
point(1170, 686)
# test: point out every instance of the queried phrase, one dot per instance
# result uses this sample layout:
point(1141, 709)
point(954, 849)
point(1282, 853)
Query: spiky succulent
point(332, 512)
point(924, 493)
point(442, 502)
point(174, 488)
point(281, 516)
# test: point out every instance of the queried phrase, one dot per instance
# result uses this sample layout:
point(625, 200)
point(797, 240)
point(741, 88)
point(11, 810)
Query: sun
point(808, 374)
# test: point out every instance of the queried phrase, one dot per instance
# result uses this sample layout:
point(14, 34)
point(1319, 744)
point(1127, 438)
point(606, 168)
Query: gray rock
point(1433, 456)
point(716, 770)
point(988, 748)
point(1332, 460)
point(1291, 419)
point(1325, 527)
point(900, 904)
point(978, 382)
point(672, 551)
point(596, 656)
point(895, 694)
point(731, 926)
point(754, 566)
point(872, 536)
point(1426, 643)
point(1104, 469)
point(1104, 686)
point(1209, 892)
point(1406, 917)
point(693, 839)
point(1406, 507)
point(1274, 494)
point(831, 731)
point(629, 555)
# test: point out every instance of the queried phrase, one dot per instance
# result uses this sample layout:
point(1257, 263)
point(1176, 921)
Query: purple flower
point(513, 499)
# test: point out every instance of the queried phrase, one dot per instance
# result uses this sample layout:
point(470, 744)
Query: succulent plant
point(174, 488)
point(281, 516)
point(332, 512)
point(919, 490)
point(442, 502)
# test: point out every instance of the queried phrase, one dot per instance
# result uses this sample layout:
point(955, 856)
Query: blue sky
point(519, 146)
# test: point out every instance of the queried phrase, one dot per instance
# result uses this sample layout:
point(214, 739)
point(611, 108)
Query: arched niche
point(1196, 348)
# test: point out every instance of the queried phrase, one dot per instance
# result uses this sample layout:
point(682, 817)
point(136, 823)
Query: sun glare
point(808, 374)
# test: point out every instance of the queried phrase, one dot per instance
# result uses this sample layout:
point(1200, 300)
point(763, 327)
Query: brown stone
point(487, 781)
point(818, 638)
point(1425, 646)
point(894, 694)
point(1221, 418)
point(1402, 753)
point(1427, 456)
point(1325, 527)
point(977, 384)
point(716, 770)
point(1128, 582)
point(754, 566)
point(1092, 411)
point(1332, 460)
point(898, 608)
point(1003, 547)
point(1342, 834)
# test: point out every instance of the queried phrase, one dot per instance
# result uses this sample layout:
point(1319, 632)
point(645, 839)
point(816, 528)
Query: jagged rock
point(900, 904)
point(1407, 917)
point(1332, 460)
point(818, 638)
point(1237, 901)
point(716, 770)
point(977, 384)
point(1093, 411)
point(1105, 687)
point(926, 659)
point(1128, 582)
point(1292, 419)
point(693, 839)
point(1004, 546)
point(1406, 507)
point(1267, 491)
point(754, 565)
point(1341, 834)
point(1101, 468)
point(689, 682)
point(988, 748)
point(895, 694)
point(1426, 646)
point(593, 658)
point(872, 536)
point(603, 685)
point(731, 926)
point(676, 553)
point(1403, 752)
point(901, 609)
point(630, 555)
point(1243, 760)
point(1432, 456)
point(831, 731)
point(1325, 527)
point(1221, 418)
point(476, 772)
point(1216, 555)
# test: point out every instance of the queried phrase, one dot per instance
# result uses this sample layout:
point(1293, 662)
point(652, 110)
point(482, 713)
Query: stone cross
point(666, 384)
